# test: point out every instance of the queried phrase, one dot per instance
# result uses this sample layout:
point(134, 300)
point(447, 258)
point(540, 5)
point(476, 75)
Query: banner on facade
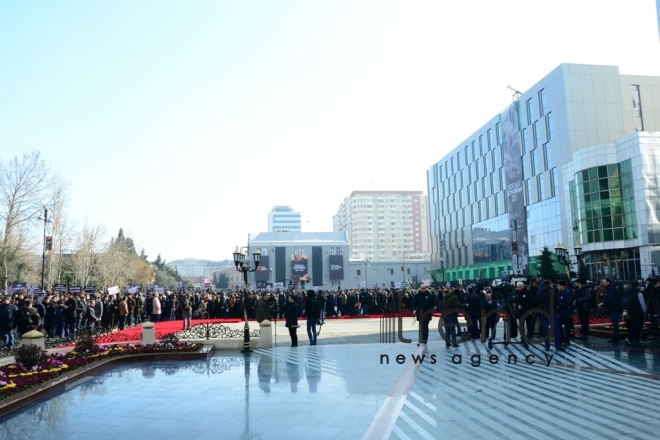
point(336, 267)
point(514, 189)
point(263, 270)
point(299, 266)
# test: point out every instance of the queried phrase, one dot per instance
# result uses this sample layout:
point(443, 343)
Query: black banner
point(262, 274)
point(317, 266)
point(280, 265)
point(92, 289)
point(59, 287)
point(17, 287)
point(261, 285)
point(336, 267)
point(75, 289)
point(299, 268)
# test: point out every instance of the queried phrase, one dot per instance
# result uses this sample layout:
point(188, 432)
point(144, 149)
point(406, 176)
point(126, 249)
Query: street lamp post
point(46, 220)
point(242, 265)
point(564, 258)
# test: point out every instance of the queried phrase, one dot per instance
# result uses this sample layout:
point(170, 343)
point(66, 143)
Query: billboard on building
point(336, 267)
point(511, 150)
point(262, 273)
point(299, 266)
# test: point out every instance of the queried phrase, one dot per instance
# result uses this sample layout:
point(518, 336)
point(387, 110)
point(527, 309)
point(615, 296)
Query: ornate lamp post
point(564, 258)
point(242, 265)
point(46, 220)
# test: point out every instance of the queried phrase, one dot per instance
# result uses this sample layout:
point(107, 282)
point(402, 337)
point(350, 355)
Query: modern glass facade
point(589, 160)
point(603, 205)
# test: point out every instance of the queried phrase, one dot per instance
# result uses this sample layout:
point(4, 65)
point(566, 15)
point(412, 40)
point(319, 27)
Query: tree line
point(77, 254)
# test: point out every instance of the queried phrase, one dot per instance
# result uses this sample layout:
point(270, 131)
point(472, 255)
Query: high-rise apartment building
point(385, 225)
point(283, 218)
point(573, 161)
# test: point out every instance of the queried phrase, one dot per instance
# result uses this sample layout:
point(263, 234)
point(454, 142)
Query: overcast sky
point(185, 122)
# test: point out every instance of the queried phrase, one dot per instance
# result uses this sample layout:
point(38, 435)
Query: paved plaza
point(348, 386)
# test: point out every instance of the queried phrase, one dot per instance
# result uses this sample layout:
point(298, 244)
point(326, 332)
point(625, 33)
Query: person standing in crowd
point(582, 295)
point(49, 319)
point(546, 300)
point(490, 321)
point(59, 318)
point(322, 303)
point(564, 314)
point(156, 310)
point(636, 314)
point(70, 318)
point(123, 312)
point(8, 313)
point(424, 306)
point(263, 308)
point(525, 302)
point(313, 313)
point(92, 318)
point(612, 306)
point(185, 305)
point(291, 313)
point(474, 311)
point(450, 304)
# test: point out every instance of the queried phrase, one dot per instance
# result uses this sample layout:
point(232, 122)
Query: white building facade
point(385, 225)
point(590, 157)
point(284, 219)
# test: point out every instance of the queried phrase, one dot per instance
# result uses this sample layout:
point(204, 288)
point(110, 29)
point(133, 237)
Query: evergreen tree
point(546, 266)
point(223, 281)
point(143, 255)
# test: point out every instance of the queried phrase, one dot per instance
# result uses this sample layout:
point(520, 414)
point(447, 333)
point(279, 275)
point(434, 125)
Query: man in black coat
point(423, 307)
point(612, 305)
point(70, 315)
point(8, 313)
point(582, 296)
point(474, 311)
point(313, 313)
point(547, 301)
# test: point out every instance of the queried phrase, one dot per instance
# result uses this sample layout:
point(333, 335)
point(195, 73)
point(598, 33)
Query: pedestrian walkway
point(596, 398)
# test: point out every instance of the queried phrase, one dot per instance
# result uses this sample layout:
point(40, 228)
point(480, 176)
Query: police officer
point(423, 308)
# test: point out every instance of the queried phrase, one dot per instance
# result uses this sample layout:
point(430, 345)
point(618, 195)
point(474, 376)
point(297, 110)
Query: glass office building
point(589, 157)
point(284, 219)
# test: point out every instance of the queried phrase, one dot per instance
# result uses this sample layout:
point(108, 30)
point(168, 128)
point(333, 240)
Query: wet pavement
point(337, 389)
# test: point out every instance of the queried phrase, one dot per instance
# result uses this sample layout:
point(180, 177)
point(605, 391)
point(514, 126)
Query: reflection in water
point(293, 370)
point(265, 372)
point(313, 373)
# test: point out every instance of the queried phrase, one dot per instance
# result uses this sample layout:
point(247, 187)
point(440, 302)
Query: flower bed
point(15, 378)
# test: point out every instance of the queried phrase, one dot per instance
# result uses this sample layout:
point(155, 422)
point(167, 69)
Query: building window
point(498, 131)
point(489, 134)
point(550, 126)
point(537, 134)
point(473, 152)
point(502, 178)
point(637, 107)
point(525, 142)
point(536, 166)
point(542, 104)
point(541, 188)
point(548, 156)
point(530, 111)
point(481, 145)
point(358, 272)
point(555, 182)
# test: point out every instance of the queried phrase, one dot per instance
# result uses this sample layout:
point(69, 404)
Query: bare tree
point(24, 189)
point(88, 248)
point(63, 233)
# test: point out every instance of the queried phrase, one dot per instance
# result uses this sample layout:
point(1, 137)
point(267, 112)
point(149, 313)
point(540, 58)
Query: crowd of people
point(534, 307)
